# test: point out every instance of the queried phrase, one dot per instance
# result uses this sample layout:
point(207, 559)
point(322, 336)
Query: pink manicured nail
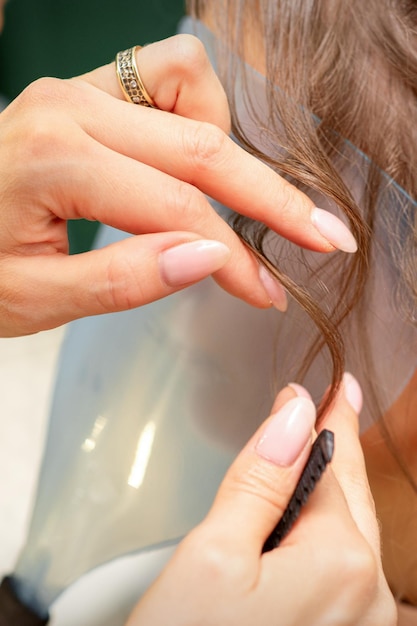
point(288, 432)
point(334, 230)
point(274, 289)
point(353, 392)
point(192, 261)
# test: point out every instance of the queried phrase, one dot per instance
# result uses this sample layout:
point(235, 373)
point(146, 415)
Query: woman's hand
point(327, 571)
point(76, 149)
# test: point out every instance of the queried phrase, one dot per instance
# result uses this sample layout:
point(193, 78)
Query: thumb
point(259, 484)
point(45, 291)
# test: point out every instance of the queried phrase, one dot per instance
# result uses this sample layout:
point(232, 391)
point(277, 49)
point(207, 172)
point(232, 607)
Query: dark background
point(64, 38)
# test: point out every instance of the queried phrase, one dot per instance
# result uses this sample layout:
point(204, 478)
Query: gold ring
point(129, 78)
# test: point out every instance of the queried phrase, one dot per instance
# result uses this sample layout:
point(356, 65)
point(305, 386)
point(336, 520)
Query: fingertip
point(290, 391)
point(288, 431)
point(334, 230)
point(300, 390)
point(192, 261)
point(345, 407)
point(274, 289)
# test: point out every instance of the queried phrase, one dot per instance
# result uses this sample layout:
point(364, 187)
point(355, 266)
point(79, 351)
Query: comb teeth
point(321, 454)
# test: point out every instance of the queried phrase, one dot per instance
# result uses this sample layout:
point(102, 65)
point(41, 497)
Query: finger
point(110, 188)
point(178, 76)
point(343, 504)
point(45, 291)
point(86, 179)
point(180, 79)
point(336, 560)
point(204, 156)
point(258, 485)
point(348, 463)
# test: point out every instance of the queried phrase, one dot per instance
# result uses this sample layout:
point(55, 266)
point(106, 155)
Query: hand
point(326, 572)
point(76, 149)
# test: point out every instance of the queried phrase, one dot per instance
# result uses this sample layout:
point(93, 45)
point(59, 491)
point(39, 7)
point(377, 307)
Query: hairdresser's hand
point(76, 149)
point(326, 572)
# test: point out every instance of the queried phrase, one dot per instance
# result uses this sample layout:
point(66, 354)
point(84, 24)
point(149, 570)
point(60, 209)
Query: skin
point(77, 149)
point(388, 482)
point(218, 575)
point(393, 492)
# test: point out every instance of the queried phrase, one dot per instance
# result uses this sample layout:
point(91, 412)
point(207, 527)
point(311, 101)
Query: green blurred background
point(64, 38)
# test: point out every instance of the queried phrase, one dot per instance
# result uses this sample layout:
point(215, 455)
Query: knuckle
point(41, 140)
point(205, 145)
point(359, 570)
point(287, 198)
point(17, 313)
point(186, 203)
point(212, 560)
point(259, 481)
point(217, 565)
point(37, 128)
point(389, 610)
point(367, 588)
point(359, 587)
point(361, 563)
point(38, 133)
point(120, 289)
point(42, 91)
point(190, 54)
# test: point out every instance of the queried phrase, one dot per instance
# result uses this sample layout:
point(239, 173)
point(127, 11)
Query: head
point(335, 71)
point(352, 64)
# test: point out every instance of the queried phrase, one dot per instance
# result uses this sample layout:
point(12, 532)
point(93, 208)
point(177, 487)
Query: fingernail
point(334, 230)
point(192, 261)
point(274, 289)
point(288, 432)
point(353, 392)
point(300, 390)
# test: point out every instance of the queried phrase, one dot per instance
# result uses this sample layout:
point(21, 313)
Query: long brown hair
point(345, 71)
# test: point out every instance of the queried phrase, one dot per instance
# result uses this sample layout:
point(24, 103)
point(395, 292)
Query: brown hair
point(345, 70)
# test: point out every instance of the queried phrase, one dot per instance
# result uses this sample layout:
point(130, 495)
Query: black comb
point(321, 454)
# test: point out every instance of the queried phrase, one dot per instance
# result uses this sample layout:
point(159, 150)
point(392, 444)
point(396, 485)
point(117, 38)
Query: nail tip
point(350, 247)
point(191, 261)
point(287, 432)
point(334, 230)
point(274, 290)
point(279, 306)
